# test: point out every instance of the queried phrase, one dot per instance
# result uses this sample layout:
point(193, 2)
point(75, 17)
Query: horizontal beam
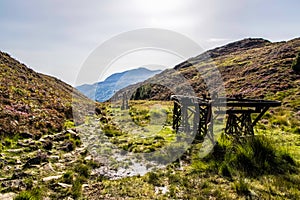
point(235, 111)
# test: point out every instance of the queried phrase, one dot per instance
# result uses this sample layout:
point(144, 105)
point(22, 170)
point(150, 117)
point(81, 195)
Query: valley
point(48, 150)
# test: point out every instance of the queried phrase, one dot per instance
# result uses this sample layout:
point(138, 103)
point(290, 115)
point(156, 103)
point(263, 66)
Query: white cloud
point(55, 36)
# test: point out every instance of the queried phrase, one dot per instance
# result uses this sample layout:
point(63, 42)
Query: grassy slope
point(262, 167)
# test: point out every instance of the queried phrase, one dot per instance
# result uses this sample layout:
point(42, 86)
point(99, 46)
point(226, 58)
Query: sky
point(57, 37)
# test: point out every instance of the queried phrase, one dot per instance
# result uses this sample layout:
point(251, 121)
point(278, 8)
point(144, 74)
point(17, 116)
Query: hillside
point(104, 90)
point(254, 68)
point(32, 102)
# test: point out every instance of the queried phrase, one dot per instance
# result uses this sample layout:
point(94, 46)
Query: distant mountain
point(32, 102)
point(104, 90)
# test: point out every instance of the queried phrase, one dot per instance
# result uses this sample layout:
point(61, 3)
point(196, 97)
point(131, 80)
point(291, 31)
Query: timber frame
point(193, 114)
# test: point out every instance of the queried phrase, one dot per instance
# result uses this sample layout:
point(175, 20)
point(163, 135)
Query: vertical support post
point(124, 102)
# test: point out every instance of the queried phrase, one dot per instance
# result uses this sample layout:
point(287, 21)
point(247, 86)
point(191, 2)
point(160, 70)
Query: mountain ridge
point(254, 69)
point(102, 91)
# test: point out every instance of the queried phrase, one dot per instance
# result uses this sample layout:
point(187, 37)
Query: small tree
point(296, 63)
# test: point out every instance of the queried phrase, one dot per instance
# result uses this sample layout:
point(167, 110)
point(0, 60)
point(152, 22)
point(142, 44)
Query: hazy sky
point(56, 37)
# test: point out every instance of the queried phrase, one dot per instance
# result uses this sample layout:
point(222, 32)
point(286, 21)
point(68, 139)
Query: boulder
point(8, 196)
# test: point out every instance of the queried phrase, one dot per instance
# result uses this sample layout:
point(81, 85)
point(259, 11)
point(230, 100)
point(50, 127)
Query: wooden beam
point(260, 115)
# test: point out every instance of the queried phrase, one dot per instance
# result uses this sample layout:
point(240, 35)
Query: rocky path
point(116, 163)
point(29, 162)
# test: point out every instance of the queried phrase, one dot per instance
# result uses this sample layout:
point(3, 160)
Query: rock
point(47, 144)
point(104, 120)
point(68, 157)
point(59, 137)
point(88, 158)
point(162, 190)
point(64, 185)
point(8, 196)
point(68, 146)
point(47, 167)
point(14, 184)
point(73, 134)
point(3, 161)
point(98, 111)
point(41, 157)
point(25, 135)
point(47, 137)
point(49, 178)
point(54, 158)
point(21, 144)
point(19, 175)
point(15, 150)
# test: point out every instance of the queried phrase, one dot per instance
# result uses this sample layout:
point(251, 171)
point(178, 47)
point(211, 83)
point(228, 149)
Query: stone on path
point(49, 178)
point(8, 196)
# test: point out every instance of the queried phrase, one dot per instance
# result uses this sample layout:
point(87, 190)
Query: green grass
point(265, 166)
point(145, 127)
point(34, 194)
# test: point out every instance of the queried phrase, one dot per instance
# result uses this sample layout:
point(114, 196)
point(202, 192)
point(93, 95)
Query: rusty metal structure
point(193, 114)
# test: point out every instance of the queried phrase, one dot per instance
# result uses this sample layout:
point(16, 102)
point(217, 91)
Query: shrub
point(153, 178)
point(296, 63)
point(34, 194)
point(253, 156)
point(68, 177)
point(8, 142)
point(242, 187)
point(83, 170)
point(76, 189)
point(68, 124)
point(111, 131)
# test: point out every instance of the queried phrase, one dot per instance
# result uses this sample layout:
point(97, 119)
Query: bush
point(296, 63)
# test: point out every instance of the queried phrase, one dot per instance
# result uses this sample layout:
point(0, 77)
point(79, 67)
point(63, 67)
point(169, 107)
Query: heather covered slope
point(254, 68)
point(32, 102)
